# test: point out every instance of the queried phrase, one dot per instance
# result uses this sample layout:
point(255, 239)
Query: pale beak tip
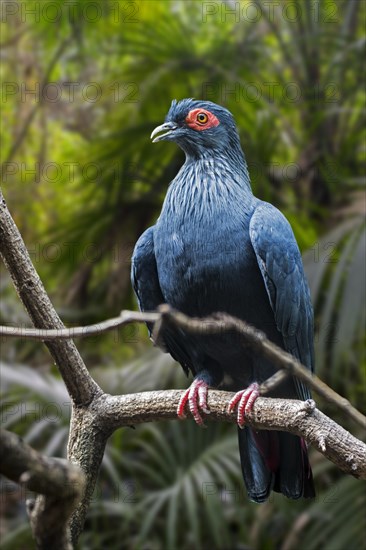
point(169, 126)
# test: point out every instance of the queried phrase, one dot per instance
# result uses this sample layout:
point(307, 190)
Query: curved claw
point(196, 396)
point(246, 399)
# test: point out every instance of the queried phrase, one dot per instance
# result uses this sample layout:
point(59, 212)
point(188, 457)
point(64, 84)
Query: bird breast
point(201, 240)
point(202, 266)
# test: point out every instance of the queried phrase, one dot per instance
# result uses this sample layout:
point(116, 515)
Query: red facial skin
point(193, 120)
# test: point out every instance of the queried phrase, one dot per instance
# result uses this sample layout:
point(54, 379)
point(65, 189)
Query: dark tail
point(275, 461)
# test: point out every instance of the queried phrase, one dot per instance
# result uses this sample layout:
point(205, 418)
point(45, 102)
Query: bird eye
point(202, 118)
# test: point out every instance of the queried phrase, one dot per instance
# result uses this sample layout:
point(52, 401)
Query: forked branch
point(95, 415)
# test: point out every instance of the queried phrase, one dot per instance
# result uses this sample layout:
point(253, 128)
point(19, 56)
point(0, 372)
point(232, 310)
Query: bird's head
point(201, 128)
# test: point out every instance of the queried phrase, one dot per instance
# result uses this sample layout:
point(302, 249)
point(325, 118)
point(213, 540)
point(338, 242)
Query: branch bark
point(298, 417)
point(61, 484)
point(214, 324)
point(95, 415)
point(81, 387)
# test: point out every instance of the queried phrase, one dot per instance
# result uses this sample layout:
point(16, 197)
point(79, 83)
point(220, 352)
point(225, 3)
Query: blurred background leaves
point(83, 85)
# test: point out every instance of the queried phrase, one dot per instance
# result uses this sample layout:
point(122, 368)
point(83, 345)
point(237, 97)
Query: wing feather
point(145, 282)
point(280, 263)
point(144, 273)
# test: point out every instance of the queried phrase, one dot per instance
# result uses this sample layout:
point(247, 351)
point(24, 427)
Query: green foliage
point(347, 501)
point(172, 485)
point(181, 474)
point(37, 406)
point(335, 269)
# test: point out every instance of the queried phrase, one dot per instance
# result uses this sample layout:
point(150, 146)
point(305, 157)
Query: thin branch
point(125, 318)
point(24, 131)
point(213, 324)
point(60, 483)
point(260, 343)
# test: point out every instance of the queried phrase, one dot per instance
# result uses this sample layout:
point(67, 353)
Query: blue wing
point(144, 274)
point(280, 263)
point(145, 282)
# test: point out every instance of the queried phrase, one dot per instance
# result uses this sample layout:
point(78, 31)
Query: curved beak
point(170, 126)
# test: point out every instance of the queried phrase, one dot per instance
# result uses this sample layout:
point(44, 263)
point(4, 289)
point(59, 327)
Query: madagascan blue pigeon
point(217, 248)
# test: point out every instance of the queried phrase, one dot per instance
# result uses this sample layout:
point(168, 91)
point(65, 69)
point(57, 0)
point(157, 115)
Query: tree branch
point(125, 318)
point(60, 483)
point(260, 343)
point(79, 383)
point(214, 324)
point(290, 415)
point(95, 415)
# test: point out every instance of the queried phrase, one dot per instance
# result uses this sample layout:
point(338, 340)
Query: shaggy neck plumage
point(231, 155)
point(209, 186)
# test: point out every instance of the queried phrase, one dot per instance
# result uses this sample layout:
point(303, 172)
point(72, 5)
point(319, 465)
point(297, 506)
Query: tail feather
point(257, 472)
point(274, 461)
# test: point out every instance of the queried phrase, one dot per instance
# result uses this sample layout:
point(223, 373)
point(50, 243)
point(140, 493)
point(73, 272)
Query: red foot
point(196, 395)
point(246, 399)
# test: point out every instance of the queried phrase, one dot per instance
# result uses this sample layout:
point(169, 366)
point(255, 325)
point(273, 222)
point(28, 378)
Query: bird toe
point(196, 397)
point(181, 405)
point(244, 399)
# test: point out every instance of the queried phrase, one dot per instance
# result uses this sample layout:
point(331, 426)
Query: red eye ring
point(200, 120)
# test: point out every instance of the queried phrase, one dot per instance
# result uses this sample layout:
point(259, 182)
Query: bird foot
point(196, 396)
point(246, 399)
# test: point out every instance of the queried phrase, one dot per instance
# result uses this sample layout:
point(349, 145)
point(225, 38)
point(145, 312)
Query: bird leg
point(246, 399)
point(196, 396)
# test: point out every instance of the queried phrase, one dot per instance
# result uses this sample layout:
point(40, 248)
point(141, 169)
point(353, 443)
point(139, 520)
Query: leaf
point(352, 307)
